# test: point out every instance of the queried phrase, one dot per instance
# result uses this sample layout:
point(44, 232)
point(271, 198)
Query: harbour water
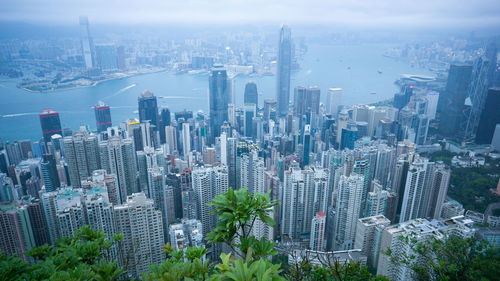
point(355, 68)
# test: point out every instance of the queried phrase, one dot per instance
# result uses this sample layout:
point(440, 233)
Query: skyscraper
point(148, 108)
point(343, 118)
point(414, 196)
point(348, 207)
point(142, 230)
point(186, 140)
point(218, 100)
point(317, 241)
point(207, 183)
point(118, 157)
point(51, 124)
point(490, 117)
point(477, 97)
point(251, 95)
point(283, 71)
point(16, 234)
point(87, 43)
point(165, 119)
point(82, 155)
point(102, 116)
point(306, 100)
point(419, 230)
point(250, 112)
point(49, 172)
point(451, 101)
point(368, 236)
point(349, 135)
point(334, 100)
point(438, 190)
point(376, 201)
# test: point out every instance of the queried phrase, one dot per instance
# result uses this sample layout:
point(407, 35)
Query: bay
point(351, 67)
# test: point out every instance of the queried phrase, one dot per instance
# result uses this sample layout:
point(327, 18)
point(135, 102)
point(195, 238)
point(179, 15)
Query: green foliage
point(82, 257)
point(452, 259)
point(469, 184)
point(237, 211)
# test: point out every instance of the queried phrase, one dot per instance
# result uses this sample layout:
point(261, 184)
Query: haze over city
point(249, 140)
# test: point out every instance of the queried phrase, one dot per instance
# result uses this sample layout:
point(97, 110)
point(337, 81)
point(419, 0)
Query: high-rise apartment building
point(376, 201)
point(396, 238)
point(118, 157)
point(317, 240)
point(208, 182)
point(143, 239)
point(16, 232)
point(416, 190)
point(368, 236)
point(82, 155)
point(348, 208)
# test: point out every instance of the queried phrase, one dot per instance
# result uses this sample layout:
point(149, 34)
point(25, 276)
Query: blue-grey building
point(218, 99)
point(283, 71)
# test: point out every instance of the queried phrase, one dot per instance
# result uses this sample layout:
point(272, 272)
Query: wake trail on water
point(175, 97)
point(19, 114)
point(121, 91)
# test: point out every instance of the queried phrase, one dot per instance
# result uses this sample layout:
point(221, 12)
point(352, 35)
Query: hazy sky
point(367, 13)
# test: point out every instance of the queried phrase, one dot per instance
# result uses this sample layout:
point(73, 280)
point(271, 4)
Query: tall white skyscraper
point(415, 193)
point(334, 101)
point(368, 236)
point(347, 211)
point(376, 201)
point(63, 212)
point(171, 139)
point(87, 44)
point(147, 159)
point(82, 155)
point(208, 182)
point(141, 225)
point(317, 241)
point(304, 193)
point(343, 118)
point(438, 189)
point(118, 157)
point(186, 140)
point(252, 171)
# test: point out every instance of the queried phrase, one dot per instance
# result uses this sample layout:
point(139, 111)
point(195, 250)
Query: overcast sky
point(362, 13)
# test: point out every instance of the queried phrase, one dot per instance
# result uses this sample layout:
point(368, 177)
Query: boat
point(379, 71)
point(348, 67)
point(373, 93)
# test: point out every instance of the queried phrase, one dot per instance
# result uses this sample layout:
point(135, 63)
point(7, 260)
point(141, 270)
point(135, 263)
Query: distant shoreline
point(93, 84)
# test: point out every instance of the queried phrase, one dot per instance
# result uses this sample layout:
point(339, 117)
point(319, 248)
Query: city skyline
point(332, 151)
